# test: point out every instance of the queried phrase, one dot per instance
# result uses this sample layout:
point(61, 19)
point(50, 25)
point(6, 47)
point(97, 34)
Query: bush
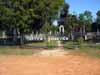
point(80, 41)
point(51, 44)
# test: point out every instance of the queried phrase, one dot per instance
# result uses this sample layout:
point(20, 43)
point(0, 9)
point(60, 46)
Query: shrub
point(80, 41)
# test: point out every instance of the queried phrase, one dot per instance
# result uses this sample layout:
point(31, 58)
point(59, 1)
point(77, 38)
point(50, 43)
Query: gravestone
point(61, 30)
point(4, 34)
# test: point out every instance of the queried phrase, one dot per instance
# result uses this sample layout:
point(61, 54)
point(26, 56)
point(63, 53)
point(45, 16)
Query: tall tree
point(88, 20)
point(25, 14)
point(63, 16)
point(49, 11)
point(82, 23)
point(85, 21)
point(72, 23)
point(98, 18)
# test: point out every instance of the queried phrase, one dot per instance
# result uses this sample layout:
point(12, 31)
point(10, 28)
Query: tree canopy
point(27, 14)
point(98, 17)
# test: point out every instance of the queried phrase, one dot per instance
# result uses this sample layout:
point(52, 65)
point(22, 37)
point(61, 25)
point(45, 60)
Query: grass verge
point(94, 52)
point(15, 51)
point(87, 48)
point(48, 44)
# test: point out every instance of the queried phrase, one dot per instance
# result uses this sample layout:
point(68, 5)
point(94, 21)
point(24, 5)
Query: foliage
point(98, 17)
point(81, 19)
point(80, 41)
point(52, 44)
point(27, 14)
point(72, 21)
point(88, 20)
point(63, 16)
point(64, 10)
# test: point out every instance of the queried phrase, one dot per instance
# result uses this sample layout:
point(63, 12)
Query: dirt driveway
point(49, 65)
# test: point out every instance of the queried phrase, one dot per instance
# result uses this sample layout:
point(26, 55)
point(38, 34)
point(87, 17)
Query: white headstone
point(4, 34)
point(61, 29)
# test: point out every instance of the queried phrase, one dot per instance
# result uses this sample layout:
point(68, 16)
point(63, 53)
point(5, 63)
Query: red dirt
point(46, 65)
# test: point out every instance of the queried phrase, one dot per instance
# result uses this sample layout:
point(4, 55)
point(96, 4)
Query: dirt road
point(49, 65)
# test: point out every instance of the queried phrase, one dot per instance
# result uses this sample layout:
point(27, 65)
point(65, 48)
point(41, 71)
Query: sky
point(79, 6)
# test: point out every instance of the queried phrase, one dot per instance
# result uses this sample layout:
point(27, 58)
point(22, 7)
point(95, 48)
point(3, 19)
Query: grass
point(94, 52)
point(15, 51)
point(87, 48)
point(35, 44)
point(69, 44)
point(50, 44)
point(20, 51)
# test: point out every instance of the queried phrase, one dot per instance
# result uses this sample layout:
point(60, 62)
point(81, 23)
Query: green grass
point(21, 51)
point(50, 44)
point(69, 44)
point(37, 44)
point(94, 52)
point(91, 51)
point(15, 51)
point(87, 48)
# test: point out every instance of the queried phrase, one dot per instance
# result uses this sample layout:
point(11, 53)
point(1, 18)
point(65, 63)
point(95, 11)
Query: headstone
point(61, 29)
point(4, 34)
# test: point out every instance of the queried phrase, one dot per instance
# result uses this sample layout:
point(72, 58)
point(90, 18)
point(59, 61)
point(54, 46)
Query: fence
point(43, 39)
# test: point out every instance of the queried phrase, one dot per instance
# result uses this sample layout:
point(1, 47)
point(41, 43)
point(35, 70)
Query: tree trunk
point(72, 36)
point(98, 31)
point(22, 39)
point(84, 31)
point(14, 36)
point(4, 36)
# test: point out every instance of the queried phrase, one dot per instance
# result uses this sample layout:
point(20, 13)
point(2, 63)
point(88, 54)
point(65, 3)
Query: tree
point(98, 20)
point(72, 23)
point(64, 10)
point(50, 11)
point(85, 21)
point(63, 16)
point(88, 20)
point(82, 23)
point(98, 13)
point(27, 15)
point(14, 15)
